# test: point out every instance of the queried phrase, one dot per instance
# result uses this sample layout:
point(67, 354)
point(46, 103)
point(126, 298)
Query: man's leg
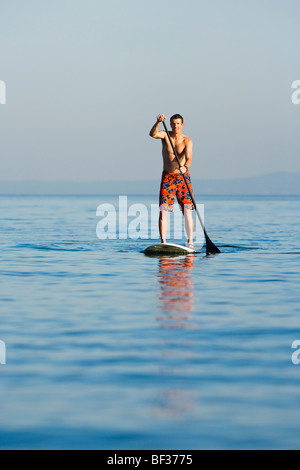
point(189, 225)
point(186, 203)
point(163, 225)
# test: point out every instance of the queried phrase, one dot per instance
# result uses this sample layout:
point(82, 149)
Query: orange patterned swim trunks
point(173, 185)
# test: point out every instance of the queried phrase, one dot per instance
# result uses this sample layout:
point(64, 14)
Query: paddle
point(210, 247)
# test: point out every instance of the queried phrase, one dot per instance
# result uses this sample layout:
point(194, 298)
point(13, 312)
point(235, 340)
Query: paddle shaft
point(208, 241)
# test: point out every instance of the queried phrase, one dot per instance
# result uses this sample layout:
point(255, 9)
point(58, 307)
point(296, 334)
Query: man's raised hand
point(161, 118)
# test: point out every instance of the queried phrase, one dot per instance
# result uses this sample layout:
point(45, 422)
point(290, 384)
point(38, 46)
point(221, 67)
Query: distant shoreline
point(274, 184)
point(137, 195)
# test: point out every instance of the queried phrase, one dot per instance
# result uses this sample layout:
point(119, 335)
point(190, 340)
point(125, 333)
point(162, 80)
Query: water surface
point(110, 349)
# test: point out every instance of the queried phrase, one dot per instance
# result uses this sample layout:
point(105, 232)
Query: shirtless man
point(172, 181)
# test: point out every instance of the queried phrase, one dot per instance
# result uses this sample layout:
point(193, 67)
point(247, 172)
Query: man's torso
point(170, 162)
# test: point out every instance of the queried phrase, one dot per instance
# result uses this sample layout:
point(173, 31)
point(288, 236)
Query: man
point(172, 183)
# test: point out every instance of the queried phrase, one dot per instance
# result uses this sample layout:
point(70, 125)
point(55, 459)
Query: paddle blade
point(211, 249)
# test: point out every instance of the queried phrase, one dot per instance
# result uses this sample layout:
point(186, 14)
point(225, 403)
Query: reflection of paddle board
point(168, 249)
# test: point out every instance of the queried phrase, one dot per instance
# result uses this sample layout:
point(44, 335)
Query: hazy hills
point(272, 184)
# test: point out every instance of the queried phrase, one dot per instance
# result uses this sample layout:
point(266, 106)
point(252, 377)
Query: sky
point(85, 80)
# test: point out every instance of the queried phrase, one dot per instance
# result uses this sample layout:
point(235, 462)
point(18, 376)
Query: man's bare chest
point(180, 147)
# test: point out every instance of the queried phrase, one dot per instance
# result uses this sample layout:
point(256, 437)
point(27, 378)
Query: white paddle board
point(168, 249)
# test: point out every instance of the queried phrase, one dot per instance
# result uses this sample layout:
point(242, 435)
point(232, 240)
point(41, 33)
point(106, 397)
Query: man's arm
point(155, 133)
point(189, 157)
point(189, 153)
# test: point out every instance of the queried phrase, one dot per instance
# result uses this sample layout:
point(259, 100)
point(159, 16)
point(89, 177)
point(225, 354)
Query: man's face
point(177, 126)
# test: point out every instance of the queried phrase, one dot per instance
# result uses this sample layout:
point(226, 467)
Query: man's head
point(177, 123)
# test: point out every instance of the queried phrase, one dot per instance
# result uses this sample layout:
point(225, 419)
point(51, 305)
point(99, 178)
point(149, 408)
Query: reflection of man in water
point(175, 401)
point(177, 291)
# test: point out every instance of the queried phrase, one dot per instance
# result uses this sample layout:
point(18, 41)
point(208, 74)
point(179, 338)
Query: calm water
point(109, 349)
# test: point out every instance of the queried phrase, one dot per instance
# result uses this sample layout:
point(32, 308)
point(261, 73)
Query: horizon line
point(143, 179)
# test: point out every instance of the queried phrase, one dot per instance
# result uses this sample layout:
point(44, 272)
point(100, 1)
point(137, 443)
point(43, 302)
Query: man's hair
point(176, 116)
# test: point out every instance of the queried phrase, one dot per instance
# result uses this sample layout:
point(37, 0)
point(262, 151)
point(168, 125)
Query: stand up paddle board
point(168, 249)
